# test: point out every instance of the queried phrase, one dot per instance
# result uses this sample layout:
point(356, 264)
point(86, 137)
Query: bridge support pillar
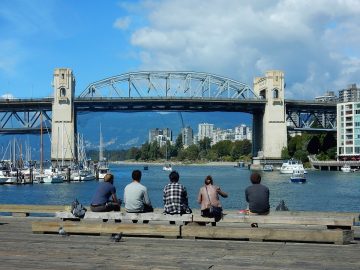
point(63, 118)
point(270, 131)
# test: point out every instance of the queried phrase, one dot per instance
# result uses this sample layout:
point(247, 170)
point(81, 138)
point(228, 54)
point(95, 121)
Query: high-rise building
point(243, 132)
point(205, 130)
point(187, 136)
point(348, 124)
point(350, 94)
point(160, 135)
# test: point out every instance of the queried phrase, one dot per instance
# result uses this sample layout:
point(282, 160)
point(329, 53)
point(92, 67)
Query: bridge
point(166, 91)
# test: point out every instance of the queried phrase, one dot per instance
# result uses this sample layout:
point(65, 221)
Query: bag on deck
point(77, 209)
point(216, 212)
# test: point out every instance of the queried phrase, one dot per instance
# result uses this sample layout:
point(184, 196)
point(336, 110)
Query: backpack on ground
point(77, 209)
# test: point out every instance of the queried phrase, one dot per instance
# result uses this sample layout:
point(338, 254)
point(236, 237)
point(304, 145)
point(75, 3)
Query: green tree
point(222, 148)
point(285, 153)
point(192, 152)
point(314, 145)
point(246, 147)
point(236, 150)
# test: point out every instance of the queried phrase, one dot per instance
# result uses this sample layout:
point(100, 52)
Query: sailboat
point(167, 166)
point(103, 168)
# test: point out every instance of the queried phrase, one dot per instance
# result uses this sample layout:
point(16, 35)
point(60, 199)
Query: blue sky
point(316, 43)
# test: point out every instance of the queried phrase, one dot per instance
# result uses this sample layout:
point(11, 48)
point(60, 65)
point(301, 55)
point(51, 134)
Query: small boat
point(298, 176)
point(346, 168)
point(291, 165)
point(103, 170)
point(167, 167)
point(146, 168)
point(240, 164)
point(268, 168)
point(53, 178)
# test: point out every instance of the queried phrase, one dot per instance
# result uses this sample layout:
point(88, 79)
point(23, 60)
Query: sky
point(315, 42)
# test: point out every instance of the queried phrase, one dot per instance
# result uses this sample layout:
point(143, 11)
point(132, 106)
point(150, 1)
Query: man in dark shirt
point(257, 196)
point(101, 200)
point(175, 196)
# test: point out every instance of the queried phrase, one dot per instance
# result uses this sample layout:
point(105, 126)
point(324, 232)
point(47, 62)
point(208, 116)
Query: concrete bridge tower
point(270, 131)
point(63, 118)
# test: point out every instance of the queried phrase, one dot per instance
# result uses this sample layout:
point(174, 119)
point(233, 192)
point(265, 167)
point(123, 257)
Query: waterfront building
point(160, 135)
point(205, 130)
point(242, 132)
point(222, 135)
point(187, 136)
point(329, 96)
point(350, 94)
point(348, 125)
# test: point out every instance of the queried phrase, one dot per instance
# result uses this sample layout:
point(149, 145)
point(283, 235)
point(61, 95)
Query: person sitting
point(209, 196)
point(175, 196)
point(101, 200)
point(257, 196)
point(136, 197)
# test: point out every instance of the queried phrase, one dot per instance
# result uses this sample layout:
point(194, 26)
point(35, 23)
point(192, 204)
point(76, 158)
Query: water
point(324, 191)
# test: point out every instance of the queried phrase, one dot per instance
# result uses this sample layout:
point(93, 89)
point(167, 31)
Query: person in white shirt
point(136, 197)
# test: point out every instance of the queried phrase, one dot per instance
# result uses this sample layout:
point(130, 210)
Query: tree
point(314, 145)
point(329, 141)
point(236, 150)
point(246, 147)
point(222, 148)
point(285, 153)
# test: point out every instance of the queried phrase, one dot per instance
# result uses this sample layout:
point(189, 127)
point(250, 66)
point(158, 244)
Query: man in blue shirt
point(101, 200)
point(257, 196)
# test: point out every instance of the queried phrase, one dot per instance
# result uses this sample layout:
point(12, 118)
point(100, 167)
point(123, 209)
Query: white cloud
point(7, 96)
point(122, 23)
point(316, 43)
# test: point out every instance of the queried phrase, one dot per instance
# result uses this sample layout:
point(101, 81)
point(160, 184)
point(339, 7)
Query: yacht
point(346, 168)
point(53, 178)
point(291, 165)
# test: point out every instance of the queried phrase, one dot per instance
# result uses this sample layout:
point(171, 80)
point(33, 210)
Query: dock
point(21, 248)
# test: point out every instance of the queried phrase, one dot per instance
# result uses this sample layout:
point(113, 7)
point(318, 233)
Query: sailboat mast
point(41, 144)
point(101, 154)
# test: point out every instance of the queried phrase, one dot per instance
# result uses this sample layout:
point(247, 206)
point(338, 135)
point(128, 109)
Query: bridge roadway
point(102, 104)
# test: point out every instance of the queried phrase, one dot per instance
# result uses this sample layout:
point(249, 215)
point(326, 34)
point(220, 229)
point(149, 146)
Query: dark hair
point(208, 180)
point(174, 176)
point(255, 178)
point(109, 178)
point(136, 175)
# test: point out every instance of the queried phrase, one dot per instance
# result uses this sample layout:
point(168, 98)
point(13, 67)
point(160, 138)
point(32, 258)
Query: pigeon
point(62, 232)
point(116, 237)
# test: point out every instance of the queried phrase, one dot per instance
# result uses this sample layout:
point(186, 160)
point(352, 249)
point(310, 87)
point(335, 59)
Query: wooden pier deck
point(21, 249)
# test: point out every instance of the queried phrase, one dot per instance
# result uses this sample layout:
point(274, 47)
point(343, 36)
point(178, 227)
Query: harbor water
point(323, 191)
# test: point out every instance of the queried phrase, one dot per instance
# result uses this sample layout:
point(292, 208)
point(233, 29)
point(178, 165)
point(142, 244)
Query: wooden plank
point(293, 220)
point(259, 234)
point(105, 228)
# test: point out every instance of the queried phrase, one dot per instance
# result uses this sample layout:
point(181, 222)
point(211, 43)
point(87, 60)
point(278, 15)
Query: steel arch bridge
point(164, 90)
point(169, 85)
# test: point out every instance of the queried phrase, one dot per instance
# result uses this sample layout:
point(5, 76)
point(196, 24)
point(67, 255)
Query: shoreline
point(177, 163)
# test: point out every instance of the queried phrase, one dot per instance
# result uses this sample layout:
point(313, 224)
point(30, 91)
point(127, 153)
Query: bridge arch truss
point(169, 84)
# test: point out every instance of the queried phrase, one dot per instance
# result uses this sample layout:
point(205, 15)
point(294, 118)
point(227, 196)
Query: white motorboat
point(53, 178)
point(346, 168)
point(102, 171)
point(268, 168)
point(83, 175)
point(291, 165)
point(298, 176)
point(167, 167)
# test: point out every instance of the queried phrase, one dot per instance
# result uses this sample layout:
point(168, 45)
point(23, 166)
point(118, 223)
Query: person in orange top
point(209, 196)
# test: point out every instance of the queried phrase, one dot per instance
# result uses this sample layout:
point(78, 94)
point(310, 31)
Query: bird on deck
point(116, 237)
point(62, 232)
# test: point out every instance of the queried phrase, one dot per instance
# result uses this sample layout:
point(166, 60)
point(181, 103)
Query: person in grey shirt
point(257, 196)
point(136, 197)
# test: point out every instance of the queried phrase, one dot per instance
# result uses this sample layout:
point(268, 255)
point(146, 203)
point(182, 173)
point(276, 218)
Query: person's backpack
point(77, 209)
point(281, 206)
